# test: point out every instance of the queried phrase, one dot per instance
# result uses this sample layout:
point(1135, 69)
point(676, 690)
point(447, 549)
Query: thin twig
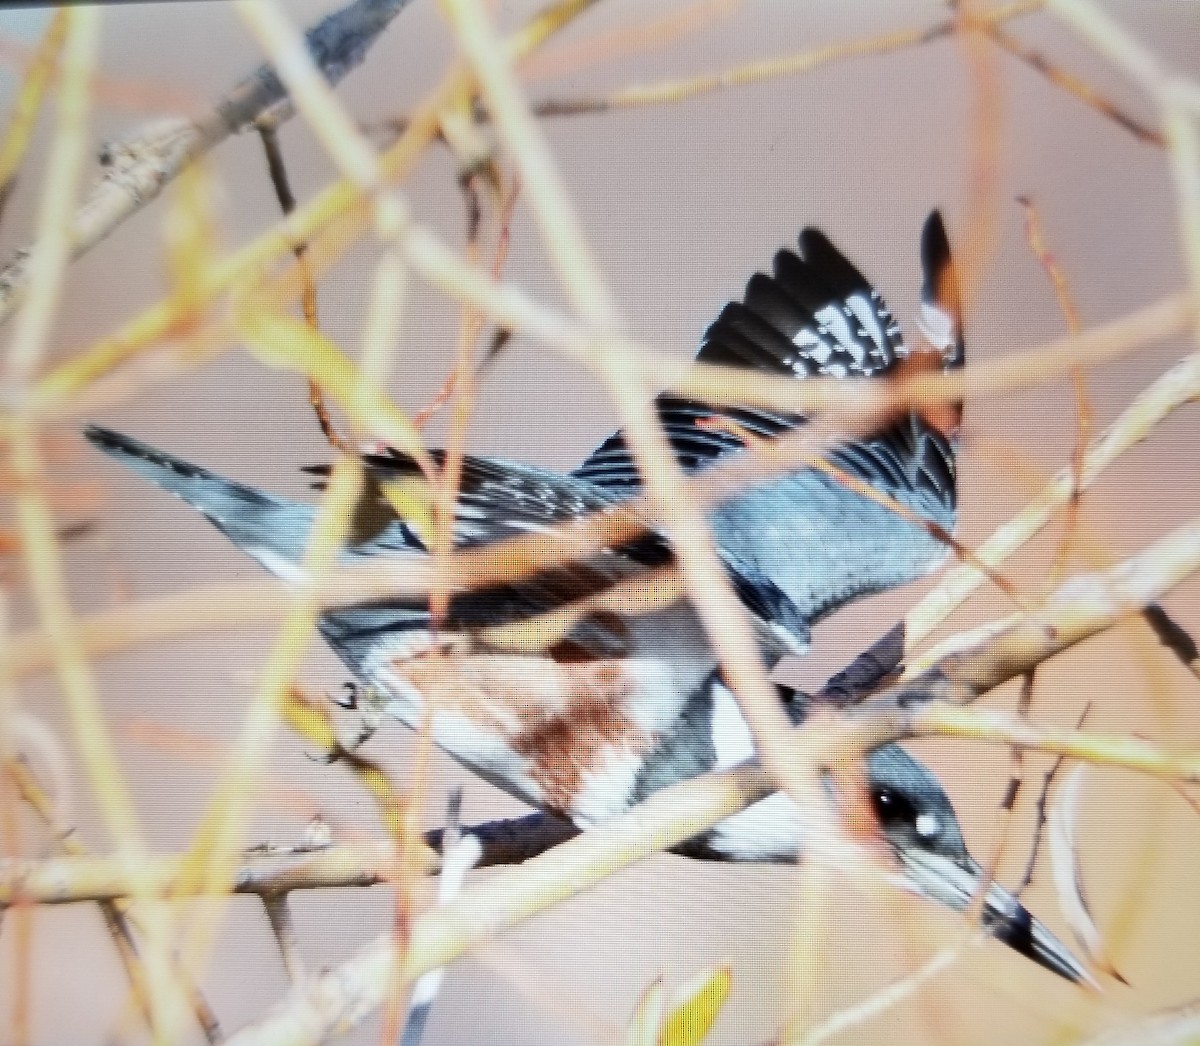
point(338, 43)
point(283, 929)
point(1039, 828)
point(277, 169)
point(1072, 84)
point(1036, 238)
point(116, 917)
point(1177, 387)
point(28, 104)
point(675, 91)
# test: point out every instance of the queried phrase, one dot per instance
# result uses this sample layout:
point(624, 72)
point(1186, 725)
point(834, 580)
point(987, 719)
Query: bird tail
point(272, 530)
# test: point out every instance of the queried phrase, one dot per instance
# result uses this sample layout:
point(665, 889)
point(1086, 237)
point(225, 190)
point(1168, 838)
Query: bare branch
point(138, 171)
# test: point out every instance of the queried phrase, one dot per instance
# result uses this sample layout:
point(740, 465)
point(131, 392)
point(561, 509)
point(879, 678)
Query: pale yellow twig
point(214, 849)
point(684, 522)
point(1079, 608)
point(35, 519)
point(673, 91)
point(1177, 1026)
point(83, 877)
point(1177, 387)
point(880, 1002)
point(1106, 35)
point(112, 908)
point(51, 252)
point(227, 815)
point(351, 991)
point(544, 190)
point(28, 104)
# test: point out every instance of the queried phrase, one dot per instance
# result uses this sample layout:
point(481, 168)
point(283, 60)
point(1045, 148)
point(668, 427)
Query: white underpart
point(731, 737)
point(604, 788)
point(280, 565)
point(937, 325)
point(770, 829)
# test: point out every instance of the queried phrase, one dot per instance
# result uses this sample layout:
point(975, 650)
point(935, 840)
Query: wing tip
point(941, 300)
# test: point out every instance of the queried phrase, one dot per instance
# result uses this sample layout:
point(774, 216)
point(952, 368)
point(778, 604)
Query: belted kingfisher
point(605, 707)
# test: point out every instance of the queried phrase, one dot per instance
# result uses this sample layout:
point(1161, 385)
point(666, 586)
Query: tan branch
point(1172, 390)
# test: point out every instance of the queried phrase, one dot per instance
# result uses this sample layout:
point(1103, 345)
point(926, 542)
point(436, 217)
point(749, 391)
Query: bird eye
point(891, 807)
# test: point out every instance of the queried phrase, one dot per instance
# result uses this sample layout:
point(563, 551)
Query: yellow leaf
point(413, 501)
point(291, 344)
point(191, 235)
point(695, 1009)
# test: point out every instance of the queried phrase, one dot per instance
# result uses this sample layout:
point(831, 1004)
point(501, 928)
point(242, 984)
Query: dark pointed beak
point(954, 884)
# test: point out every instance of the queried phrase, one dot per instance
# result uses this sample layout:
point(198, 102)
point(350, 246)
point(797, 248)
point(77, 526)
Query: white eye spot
point(928, 826)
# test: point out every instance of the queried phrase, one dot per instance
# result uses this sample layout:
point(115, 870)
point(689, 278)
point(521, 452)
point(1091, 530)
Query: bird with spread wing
point(562, 689)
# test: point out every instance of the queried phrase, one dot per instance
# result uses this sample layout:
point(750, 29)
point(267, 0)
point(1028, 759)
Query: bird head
point(920, 826)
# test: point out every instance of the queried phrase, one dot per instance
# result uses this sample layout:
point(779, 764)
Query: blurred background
point(682, 203)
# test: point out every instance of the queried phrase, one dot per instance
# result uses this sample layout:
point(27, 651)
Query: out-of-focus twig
point(1036, 237)
point(338, 43)
point(1177, 1026)
point(283, 929)
point(27, 105)
point(1178, 386)
point(42, 555)
point(1072, 84)
point(880, 1002)
point(287, 203)
point(673, 91)
point(116, 918)
point(656, 31)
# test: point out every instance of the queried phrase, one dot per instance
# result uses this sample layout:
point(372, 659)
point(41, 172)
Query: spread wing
point(592, 599)
point(816, 315)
